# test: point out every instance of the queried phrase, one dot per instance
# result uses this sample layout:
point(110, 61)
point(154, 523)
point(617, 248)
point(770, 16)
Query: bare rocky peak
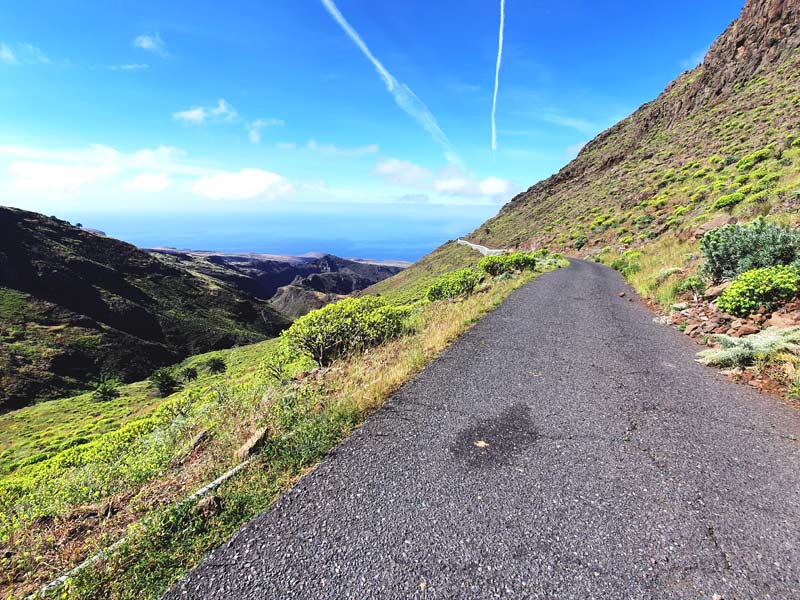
point(765, 33)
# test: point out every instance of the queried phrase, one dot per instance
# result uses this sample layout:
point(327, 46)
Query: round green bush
point(458, 283)
point(760, 287)
point(504, 263)
point(734, 249)
point(344, 327)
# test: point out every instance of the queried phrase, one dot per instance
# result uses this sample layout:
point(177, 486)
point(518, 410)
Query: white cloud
point(456, 182)
point(201, 114)
point(223, 110)
point(497, 72)
point(29, 176)
point(403, 95)
point(33, 54)
point(156, 157)
point(23, 54)
point(151, 43)
point(286, 145)
point(7, 55)
point(247, 184)
point(576, 123)
point(254, 128)
point(333, 150)
point(451, 181)
point(191, 115)
point(129, 67)
point(148, 182)
point(575, 149)
point(403, 172)
point(695, 59)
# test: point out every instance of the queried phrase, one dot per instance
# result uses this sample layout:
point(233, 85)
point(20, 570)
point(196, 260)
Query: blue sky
point(264, 109)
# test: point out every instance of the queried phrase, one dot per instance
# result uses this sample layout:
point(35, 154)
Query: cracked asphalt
point(567, 447)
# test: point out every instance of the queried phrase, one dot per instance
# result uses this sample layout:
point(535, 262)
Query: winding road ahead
point(567, 447)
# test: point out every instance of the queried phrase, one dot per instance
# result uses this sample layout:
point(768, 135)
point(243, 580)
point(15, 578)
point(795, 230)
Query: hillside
point(720, 144)
point(262, 275)
point(74, 304)
point(722, 140)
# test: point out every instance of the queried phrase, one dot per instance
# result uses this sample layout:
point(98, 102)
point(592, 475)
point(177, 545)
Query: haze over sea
point(376, 232)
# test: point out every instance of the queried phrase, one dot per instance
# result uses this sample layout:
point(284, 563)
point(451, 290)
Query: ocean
point(365, 231)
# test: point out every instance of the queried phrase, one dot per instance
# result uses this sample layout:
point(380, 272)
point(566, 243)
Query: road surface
point(567, 447)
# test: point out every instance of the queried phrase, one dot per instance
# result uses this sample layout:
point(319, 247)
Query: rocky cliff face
point(765, 34)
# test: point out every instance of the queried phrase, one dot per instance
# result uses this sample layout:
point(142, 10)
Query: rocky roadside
point(701, 319)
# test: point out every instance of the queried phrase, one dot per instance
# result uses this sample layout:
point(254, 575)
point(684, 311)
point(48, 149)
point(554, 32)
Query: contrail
point(497, 71)
point(405, 98)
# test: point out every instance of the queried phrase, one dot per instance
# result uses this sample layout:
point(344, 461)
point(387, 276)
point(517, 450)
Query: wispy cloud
point(404, 172)
point(247, 184)
point(576, 123)
point(254, 128)
point(128, 67)
point(333, 150)
point(34, 54)
point(7, 55)
point(151, 43)
point(497, 72)
point(201, 114)
point(23, 54)
point(450, 181)
point(405, 98)
point(148, 182)
point(573, 150)
point(78, 173)
point(690, 62)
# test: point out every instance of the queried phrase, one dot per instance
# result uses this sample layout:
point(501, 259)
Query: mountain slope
point(720, 144)
point(74, 304)
point(676, 161)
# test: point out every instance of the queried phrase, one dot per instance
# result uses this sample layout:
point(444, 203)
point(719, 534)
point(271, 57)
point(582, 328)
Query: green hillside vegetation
point(413, 283)
point(38, 432)
point(75, 305)
point(272, 402)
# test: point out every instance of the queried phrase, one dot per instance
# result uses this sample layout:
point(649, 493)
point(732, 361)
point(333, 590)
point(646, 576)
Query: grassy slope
point(141, 478)
point(412, 283)
point(35, 433)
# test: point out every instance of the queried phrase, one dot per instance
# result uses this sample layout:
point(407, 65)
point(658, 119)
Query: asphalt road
point(566, 447)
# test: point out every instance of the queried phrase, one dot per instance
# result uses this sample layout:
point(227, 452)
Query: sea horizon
point(382, 234)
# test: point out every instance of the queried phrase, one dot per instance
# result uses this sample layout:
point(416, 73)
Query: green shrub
point(518, 261)
point(453, 285)
point(216, 365)
point(729, 200)
point(760, 287)
point(187, 374)
point(106, 389)
point(734, 249)
point(796, 143)
point(743, 352)
point(164, 381)
point(625, 266)
point(580, 242)
point(694, 285)
point(749, 161)
point(347, 326)
point(493, 265)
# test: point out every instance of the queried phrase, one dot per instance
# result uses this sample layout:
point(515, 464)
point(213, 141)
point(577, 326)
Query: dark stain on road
point(495, 442)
